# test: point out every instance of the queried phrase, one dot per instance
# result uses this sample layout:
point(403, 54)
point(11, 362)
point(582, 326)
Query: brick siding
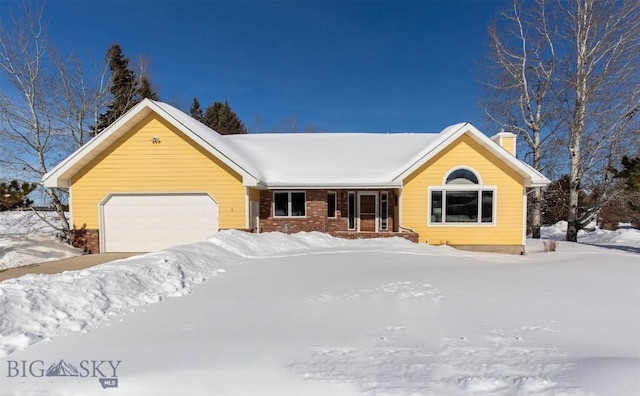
point(316, 215)
point(87, 240)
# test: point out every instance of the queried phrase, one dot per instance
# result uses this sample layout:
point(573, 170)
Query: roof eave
point(60, 176)
point(539, 183)
point(329, 186)
point(536, 178)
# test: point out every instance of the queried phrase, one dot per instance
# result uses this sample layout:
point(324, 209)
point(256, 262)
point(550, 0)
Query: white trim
point(386, 202)
point(524, 219)
point(450, 134)
point(350, 209)
point(247, 208)
point(254, 215)
point(465, 167)
point(60, 176)
point(332, 186)
point(289, 207)
point(376, 215)
point(463, 187)
point(72, 226)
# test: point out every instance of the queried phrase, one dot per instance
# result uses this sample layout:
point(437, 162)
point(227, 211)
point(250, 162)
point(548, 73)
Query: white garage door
point(149, 222)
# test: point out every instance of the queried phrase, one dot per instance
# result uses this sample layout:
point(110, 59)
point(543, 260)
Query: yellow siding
point(176, 164)
point(509, 144)
point(493, 172)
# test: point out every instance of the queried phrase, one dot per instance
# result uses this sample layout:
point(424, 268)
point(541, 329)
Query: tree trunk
point(578, 120)
point(536, 215)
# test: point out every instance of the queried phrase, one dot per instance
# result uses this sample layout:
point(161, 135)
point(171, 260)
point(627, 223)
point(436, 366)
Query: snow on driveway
point(308, 314)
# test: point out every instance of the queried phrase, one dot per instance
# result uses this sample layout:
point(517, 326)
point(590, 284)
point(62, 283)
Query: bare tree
point(48, 105)
point(573, 79)
point(521, 71)
point(601, 94)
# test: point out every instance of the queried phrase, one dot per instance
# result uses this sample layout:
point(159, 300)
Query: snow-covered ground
point(26, 239)
point(308, 314)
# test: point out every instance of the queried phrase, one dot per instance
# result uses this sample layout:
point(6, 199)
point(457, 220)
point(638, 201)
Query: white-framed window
point(462, 200)
point(332, 206)
point(351, 211)
point(289, 204)
point(384, 210)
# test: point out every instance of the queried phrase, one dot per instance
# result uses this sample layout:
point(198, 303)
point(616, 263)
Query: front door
point(367, 212)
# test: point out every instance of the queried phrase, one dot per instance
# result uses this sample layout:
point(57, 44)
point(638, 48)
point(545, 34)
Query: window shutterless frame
point(440, 201)
point(289, 204)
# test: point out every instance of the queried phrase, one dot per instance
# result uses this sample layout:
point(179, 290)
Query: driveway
point(70, 264)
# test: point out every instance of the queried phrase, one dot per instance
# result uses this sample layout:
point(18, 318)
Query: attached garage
point(150, 222)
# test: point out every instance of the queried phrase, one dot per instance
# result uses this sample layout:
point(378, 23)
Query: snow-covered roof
point(331, 159)
point(305, 160)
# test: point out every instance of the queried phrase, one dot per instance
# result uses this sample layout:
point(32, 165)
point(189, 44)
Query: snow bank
point(36, 307)
point(624, 237)
point(311, 314)
point(274, 244)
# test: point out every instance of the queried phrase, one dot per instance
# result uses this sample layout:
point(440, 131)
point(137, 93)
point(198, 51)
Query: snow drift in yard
point(37, 307)
point(315, 315)
point(624, 237)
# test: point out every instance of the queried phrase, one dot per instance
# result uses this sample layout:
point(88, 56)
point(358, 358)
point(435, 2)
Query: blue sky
point(343, 66)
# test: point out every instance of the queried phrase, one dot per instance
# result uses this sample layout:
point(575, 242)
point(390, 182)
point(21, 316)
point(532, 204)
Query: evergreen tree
point(14, 195)
point(196, 110)
point(223, 120)
point(125, 89)
point(146, 90)
point(630, 173)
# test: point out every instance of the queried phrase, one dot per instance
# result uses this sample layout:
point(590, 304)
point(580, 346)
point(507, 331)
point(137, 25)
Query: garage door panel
point(149, 222)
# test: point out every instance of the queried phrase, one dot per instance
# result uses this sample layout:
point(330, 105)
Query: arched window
point(462, 176)
point(462, 199)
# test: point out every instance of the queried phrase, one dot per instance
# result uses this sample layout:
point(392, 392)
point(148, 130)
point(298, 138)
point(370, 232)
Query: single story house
point(157, 178)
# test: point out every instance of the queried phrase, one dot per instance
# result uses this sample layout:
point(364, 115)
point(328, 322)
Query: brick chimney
point(506, 140)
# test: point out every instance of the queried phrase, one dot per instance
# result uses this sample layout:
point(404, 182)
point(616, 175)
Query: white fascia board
point(247, 178)
point(60, 175)
point(532, 176)
point(328, 186)
point(432, 150)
